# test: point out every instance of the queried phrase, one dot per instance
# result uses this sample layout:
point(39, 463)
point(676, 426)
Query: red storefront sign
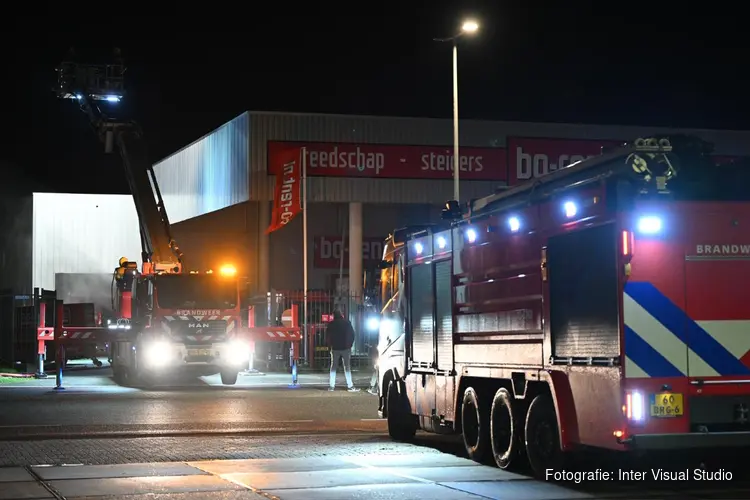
point(327, 253)
point(392, 162)
point(531, 157)
point(287, 198)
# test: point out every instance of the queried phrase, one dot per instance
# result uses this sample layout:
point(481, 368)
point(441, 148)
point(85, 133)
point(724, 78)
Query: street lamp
point(469, 27)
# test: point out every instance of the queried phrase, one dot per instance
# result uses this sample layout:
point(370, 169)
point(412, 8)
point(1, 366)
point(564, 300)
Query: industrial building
point(366, 176)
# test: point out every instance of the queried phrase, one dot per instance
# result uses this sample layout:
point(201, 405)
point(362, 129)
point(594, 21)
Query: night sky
point(647, 65)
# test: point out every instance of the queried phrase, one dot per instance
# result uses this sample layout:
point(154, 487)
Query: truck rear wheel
point(475, 426)
point(229, 377)
point(401, 424)
point(503, 432)
point(543, 437)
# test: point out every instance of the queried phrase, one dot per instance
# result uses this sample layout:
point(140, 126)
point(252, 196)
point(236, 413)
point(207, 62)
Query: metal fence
point(18, 322)
point(274, 309)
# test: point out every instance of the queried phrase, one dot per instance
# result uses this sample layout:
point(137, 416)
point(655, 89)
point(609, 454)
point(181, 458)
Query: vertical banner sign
point(287, 199)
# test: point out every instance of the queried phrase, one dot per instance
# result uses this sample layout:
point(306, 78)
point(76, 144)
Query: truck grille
point(196, 332)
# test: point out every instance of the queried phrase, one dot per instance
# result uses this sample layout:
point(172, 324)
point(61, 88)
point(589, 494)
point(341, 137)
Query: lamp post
point(467, 28)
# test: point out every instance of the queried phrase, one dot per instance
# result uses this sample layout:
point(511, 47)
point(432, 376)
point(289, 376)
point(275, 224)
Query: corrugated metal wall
point(81, 233)
point(212, 173)
point(266, 127)
point(209, 174)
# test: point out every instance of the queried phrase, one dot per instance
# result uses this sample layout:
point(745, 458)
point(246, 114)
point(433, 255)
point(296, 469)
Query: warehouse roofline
point(494, 122)
point(156, 163)
point(501, 123)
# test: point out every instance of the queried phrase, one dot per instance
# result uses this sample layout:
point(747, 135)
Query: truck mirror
point(451, 210)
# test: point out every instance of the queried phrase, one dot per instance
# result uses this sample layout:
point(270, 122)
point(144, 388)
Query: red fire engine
point(167, 317)
point(592, 307)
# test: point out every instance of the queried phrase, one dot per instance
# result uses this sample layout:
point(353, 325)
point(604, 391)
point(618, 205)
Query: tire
point(229, 378)
point(401, 423)
point(503, 431)
point(543, 437)
point(475, 426)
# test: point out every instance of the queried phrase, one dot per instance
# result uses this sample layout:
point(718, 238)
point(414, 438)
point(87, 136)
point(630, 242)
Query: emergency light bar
point(620, 161)
point(649, 224)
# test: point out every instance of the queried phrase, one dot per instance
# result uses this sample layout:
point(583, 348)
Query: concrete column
point(355, 249)
point(264, 263)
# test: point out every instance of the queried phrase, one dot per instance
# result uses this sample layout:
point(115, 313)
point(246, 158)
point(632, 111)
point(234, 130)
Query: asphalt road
point(301, 430)
point(92, 405)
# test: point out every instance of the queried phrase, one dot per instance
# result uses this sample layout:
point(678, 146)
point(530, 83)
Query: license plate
point(666, 405)
point(199, 352)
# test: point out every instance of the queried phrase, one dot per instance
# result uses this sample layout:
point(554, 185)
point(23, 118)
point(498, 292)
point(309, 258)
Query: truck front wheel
point(543, 437)
point(401, 425)
point(229, 377)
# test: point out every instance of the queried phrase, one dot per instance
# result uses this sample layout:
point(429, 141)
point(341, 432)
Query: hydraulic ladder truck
point(167, 317)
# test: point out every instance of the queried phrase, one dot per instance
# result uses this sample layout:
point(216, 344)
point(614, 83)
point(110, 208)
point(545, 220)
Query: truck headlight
point(373, 323)
point(238, 352)
point(157, 353)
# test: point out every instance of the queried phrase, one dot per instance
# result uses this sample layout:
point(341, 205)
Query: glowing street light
point(469, 27)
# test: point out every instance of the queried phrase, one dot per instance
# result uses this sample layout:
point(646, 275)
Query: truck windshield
point(195, 291)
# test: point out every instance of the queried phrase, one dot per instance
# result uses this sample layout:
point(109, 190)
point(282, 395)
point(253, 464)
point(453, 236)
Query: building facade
point(365, 177)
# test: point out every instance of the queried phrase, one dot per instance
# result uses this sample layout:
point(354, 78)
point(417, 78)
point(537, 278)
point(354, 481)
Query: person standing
point(340, 338)
point(373, 351)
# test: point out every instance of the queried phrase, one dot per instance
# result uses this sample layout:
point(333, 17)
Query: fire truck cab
point(592, 307)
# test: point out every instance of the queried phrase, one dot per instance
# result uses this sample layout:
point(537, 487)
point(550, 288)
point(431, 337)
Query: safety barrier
point(289, 332)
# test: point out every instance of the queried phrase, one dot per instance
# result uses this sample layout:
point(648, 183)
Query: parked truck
point(166, 316)
point(599, 306)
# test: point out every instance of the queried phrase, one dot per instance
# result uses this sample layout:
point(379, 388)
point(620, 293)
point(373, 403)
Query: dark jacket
point(340, 334)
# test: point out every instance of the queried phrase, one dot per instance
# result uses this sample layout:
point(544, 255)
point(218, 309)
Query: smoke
point(81, 288)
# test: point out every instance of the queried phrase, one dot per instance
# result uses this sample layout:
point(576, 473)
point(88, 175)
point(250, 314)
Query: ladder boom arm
point(89, 84)
point(155, 227)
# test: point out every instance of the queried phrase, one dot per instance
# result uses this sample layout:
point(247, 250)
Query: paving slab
point(463, 474)
point(320, 479)
point(415, 491)
point(273, 465)
point(517, 490)
point(410, 460)
point(140, 485)
point(113, 471)
point(14, 474)
point(201, 495)
point(23, 491)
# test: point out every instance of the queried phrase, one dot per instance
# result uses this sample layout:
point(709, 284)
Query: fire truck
point(596, 307)
point(167, 317)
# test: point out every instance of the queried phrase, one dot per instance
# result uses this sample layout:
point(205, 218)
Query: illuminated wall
point(82, 233)
point(210, 174)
